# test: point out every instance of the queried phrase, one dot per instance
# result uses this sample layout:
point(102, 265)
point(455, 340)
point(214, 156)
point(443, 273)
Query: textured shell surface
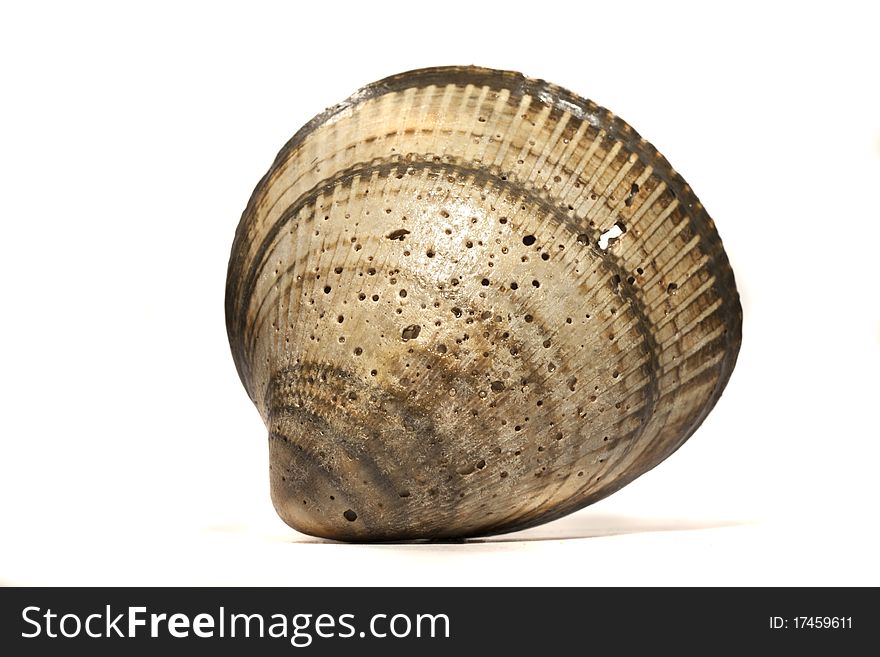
point(466, 302)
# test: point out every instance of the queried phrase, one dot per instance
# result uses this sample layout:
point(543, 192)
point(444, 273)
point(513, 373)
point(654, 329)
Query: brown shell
point(467, 302)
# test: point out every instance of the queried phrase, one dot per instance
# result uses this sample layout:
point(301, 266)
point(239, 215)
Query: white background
point(131, 139)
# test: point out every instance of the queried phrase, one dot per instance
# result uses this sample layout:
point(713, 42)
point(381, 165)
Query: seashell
point(467, 302)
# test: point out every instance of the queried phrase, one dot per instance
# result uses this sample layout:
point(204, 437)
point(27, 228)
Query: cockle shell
point(466, 302)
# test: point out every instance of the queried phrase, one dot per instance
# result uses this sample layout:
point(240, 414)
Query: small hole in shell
point(411, 332)
point(612, 233)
